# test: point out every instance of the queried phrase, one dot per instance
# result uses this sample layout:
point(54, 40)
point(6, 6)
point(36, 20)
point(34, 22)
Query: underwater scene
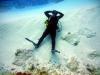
point(49, 37)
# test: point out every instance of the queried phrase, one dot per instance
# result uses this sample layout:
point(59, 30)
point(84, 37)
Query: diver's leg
point(53, 41)
point(45, 33)
point(53, 37)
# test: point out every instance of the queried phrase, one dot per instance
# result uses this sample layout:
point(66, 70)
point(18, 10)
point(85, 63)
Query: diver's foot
point(53, 51)
point(36, 46)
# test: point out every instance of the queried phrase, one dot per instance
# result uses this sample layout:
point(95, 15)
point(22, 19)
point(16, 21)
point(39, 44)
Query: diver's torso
point(52, 22)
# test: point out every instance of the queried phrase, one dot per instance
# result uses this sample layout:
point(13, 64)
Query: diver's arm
point(60, 15)
point(47, 13)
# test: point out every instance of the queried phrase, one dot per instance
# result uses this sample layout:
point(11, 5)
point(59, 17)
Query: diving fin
point(32, 42)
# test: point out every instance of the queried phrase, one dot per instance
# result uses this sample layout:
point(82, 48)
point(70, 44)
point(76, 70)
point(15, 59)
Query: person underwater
point(51, 27)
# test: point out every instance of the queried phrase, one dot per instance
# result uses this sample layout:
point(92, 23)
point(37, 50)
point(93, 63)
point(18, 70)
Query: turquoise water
point(11, 5)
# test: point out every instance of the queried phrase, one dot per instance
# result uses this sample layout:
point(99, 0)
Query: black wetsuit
point(51, 27)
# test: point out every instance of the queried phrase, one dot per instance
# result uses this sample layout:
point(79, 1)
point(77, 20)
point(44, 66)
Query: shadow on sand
point(55, 59)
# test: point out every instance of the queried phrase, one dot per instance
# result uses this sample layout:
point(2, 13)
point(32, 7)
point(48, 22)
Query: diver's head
point(54, 12)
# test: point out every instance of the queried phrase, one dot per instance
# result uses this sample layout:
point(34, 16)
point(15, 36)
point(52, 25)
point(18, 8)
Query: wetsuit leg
point(45, 33)
point(53, 37)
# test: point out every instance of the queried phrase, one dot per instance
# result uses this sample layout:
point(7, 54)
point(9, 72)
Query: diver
point(52, 21)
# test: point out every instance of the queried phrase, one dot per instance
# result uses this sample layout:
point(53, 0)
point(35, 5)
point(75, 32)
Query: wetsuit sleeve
point(47, 13)
point(60, 15)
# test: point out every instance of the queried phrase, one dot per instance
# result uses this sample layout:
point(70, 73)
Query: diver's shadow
point(55, 59)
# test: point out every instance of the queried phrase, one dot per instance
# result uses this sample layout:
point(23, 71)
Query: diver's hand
point(55, 11)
